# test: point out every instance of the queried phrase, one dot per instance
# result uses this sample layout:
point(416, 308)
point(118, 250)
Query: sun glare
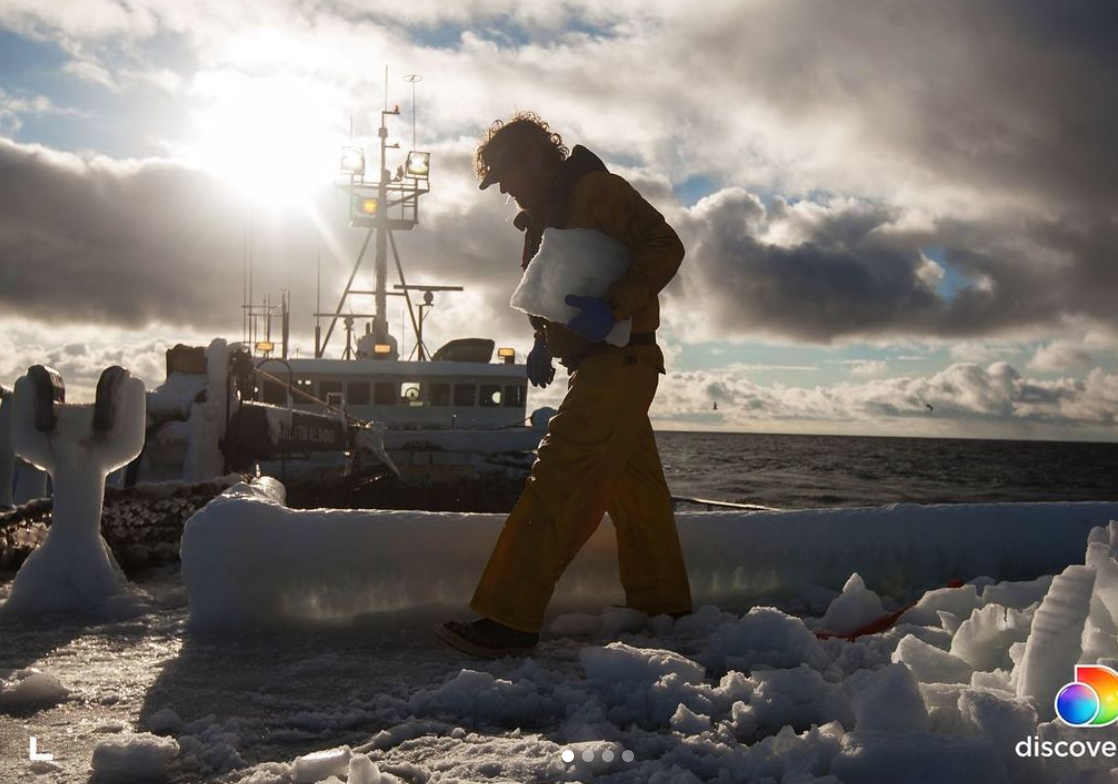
point(271, 137)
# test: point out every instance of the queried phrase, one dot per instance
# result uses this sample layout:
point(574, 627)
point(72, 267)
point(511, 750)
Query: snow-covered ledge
point(247, 559)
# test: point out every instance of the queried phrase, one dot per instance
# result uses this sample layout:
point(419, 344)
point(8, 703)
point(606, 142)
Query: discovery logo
point(1091, 700)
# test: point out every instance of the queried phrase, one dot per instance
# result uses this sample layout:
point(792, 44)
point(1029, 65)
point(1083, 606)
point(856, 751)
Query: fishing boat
point(455, 414)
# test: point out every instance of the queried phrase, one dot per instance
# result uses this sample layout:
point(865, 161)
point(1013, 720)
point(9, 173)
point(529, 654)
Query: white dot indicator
point(628, 756)
point(588, 756)
point(567, 755)
point(607, 756)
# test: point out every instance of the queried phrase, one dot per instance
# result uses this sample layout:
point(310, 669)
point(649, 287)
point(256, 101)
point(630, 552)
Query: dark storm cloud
point(819, 272)
point(130, 244)
point(1003, 95)
point(114, 244)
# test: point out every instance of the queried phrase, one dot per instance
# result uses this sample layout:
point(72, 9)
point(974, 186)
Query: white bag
point(572, 261)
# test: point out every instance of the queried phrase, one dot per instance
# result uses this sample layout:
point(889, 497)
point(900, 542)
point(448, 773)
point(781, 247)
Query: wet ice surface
point(239, 698)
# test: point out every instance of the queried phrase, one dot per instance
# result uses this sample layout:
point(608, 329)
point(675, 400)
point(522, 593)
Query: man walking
point(599, 454)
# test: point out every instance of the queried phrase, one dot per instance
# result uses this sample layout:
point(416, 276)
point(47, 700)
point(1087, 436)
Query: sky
point(899, 218)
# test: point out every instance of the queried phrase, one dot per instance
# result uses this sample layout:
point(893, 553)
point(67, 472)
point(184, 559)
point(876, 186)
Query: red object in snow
point(881, 624)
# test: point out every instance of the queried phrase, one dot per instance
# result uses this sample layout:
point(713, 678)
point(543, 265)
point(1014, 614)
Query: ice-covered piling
point(79, 445)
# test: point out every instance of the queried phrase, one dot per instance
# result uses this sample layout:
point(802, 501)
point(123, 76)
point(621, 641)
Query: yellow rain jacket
point(587, 196)
point(599, 454)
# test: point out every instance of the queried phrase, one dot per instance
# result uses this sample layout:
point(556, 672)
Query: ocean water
point(803, 471)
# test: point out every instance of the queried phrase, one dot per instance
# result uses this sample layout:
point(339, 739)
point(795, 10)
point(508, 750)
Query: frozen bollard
point(79, 445)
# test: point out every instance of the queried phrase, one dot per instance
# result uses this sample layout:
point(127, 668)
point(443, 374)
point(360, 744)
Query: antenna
point(251, 320)
point(244, 283)
point(386, 88)
point(318, 309)
point(413, 78)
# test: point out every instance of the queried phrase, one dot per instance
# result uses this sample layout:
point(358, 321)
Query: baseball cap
point(506, 145)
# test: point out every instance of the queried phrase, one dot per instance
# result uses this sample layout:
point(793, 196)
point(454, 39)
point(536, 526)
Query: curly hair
point(522, 130)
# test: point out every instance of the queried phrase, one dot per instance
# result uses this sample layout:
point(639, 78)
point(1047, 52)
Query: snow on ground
point(31, 687)
point(950, 694)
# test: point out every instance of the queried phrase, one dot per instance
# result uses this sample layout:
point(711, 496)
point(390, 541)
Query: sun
point(272, 137)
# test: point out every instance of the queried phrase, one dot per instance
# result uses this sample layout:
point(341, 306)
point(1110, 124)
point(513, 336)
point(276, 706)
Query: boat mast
point(389, 203)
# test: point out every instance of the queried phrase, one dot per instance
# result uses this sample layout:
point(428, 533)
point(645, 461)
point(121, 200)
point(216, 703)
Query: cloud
point(14, 107)
point(842, 160)
point(80, 361)
point(1060, 356)
point(109, 242)
point(995, 401)
point(865, 367)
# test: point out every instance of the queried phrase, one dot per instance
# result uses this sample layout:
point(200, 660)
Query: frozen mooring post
point(79, 445)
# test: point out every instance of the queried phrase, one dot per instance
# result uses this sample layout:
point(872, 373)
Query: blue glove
point(596, 319)
point(540, 370)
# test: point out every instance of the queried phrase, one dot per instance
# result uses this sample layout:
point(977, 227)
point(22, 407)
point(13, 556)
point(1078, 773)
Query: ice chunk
point(888, 700)
point(1054, 644)
point(1004, 721)
point(878, 757)
point(482, 697)
point(998, 679)
point(983, 640)
point(929, 664)
point(855, 607)
point(674, 775)
point(31, 687)
point(1017, 595)
point(701, 622)
point(1100, 633)
point(620, 662)
point(1106, 572)
point(763, 636)
point(141, 757)
point(312, 768)
point(572, 261)
point(733, 687)
point(798, 697)
point(687, 722)
point(622, 619)
point(949, 621)
point(959, 601)
point(363, 770)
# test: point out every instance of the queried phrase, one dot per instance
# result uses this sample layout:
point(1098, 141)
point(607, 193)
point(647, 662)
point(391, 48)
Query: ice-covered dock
point(249, 559)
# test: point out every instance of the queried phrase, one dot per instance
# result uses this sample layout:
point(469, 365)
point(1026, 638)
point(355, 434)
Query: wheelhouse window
point(490, 395)
point(386, 393)
point(327, 388)
point(515, 395)
point(438, 394)
point(357, 393)
point(465, 395)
